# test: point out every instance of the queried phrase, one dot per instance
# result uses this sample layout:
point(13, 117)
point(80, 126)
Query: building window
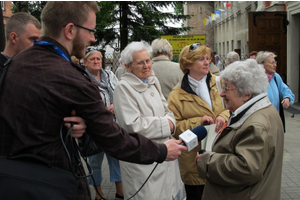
point(200, 10)
point(227, 47)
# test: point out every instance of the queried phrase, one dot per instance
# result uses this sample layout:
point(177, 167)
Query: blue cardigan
point(278, 92)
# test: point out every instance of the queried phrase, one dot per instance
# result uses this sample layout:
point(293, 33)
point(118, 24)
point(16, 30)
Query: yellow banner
point(180, 41)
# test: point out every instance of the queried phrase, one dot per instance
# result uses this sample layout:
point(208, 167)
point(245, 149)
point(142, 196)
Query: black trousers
point(194, 192)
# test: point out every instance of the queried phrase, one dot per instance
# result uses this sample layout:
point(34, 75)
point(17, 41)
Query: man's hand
point(174, 149)
point(79, 125)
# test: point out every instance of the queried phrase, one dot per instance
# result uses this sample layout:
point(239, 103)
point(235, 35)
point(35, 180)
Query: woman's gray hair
point(161, 47)
point(247, 76)
point(262, 55)
point(232, 57)
point(133, 47)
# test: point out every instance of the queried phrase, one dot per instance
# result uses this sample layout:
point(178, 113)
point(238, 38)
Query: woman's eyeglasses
point(143, 63)
point(226, 88)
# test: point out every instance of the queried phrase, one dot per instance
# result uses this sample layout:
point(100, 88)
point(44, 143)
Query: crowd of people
point(137, 114)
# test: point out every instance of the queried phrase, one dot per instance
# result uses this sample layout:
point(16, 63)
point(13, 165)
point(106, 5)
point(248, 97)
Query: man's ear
point(13, 37)
point(70, 31)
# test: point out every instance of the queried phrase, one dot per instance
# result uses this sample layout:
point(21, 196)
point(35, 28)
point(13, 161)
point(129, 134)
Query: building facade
point(231, 31)
point(6, 10)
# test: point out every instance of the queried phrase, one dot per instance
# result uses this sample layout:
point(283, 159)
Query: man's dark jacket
point(40, 89)
point(3, 59)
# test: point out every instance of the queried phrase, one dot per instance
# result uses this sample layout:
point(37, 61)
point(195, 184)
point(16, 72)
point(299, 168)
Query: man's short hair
point(17, 23)
point(57, 14)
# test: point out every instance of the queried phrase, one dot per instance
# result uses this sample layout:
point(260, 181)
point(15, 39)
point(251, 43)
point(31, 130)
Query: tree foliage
point(137, 20)
point(125, 21)
point(32, 7)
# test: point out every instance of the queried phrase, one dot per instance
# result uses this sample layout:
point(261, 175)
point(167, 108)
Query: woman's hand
point(286, 102)
point(171, 126)
point(197, 157)
point(220, 121)
point(206, 120)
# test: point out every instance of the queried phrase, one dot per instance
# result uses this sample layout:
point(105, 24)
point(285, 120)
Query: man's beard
point(78, 47)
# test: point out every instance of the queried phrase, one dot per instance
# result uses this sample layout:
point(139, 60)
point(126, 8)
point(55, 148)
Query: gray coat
point(167, 72)
point(246, 161)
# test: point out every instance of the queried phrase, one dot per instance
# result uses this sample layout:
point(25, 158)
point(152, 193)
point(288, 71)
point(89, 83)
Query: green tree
point(32, 7)
point(137, 20)
point(125, 21)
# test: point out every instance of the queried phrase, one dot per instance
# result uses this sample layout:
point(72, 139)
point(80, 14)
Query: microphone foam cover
point(201, 132)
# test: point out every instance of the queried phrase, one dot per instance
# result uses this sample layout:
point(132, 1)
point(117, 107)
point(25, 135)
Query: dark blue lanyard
point(58, 50)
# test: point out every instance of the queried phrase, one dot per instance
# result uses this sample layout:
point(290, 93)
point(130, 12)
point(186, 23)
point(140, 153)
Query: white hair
point(133, 47)
point(247, 76)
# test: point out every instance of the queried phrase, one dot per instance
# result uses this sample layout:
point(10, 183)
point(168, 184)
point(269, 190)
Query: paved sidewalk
point(290, 187)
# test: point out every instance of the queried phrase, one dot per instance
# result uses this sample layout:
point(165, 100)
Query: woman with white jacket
point(141, 107)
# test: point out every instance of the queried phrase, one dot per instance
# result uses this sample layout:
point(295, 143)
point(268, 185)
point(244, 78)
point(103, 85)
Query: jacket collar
point(137, 83)
point(186, 86)
point(243, 112)
point(162, 58)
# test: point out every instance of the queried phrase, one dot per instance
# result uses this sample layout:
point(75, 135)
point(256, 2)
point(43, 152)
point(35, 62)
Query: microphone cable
point(69, 134)
point(143, 183)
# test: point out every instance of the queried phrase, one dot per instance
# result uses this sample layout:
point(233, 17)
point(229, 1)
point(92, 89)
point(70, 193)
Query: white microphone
point(191, 138)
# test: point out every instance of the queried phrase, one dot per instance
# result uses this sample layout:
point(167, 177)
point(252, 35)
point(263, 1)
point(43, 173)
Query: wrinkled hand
point(171, 125)
point(285, 102)
point(197, 157)
point(79, 125)
point(220, 121)
point(207, 120)
point(174, 149)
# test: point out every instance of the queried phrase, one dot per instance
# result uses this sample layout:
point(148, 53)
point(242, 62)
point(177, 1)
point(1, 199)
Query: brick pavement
point(290, 187)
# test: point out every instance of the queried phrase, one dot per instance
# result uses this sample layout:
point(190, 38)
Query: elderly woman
point(246, 158)
point(106, 82)
point(232, 57)
point(279, 93)
point(141, 107)
point(162, 53)
point(195, 101)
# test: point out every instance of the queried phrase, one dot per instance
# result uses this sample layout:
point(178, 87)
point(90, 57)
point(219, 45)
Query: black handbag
point(29, 176)
point(87, 147)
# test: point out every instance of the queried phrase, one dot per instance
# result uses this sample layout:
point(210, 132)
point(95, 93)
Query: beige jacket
point(189, 109)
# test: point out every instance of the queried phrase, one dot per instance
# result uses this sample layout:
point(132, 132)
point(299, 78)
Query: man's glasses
point(91, 49)
point(92, 31)
point(194, 46)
